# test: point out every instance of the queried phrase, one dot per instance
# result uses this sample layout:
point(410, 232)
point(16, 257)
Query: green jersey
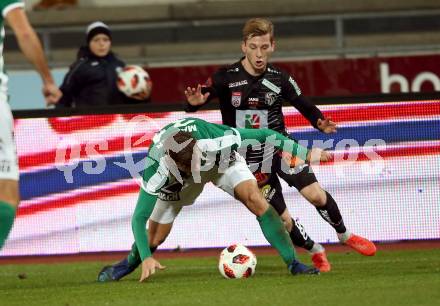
point(5, 6)
point(215, 140)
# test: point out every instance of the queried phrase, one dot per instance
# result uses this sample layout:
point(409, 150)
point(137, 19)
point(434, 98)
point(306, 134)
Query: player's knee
point(256, 203)
point(318, 200)
point(318, 197)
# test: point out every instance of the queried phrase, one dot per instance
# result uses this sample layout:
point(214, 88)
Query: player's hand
point(149, 266)
point(316, 155)
point(194, 96)
point(326, 126)
point(51, 93)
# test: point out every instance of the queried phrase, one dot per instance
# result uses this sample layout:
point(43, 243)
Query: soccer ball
point(133, 80)
point(237, 261)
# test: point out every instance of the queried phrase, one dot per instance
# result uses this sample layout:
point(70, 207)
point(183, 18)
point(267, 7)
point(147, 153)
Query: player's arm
point(292, 93)
point(144, 208)
point(142, 213)
point(289, 146)
point(31, 47)
point(314, 115)
point(152, 182)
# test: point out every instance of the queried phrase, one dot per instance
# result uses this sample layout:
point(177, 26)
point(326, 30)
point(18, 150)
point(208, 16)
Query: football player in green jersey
point(12, 11)
point(183, 157)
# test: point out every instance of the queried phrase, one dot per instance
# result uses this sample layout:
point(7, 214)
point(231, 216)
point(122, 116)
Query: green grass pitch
point(390, 278)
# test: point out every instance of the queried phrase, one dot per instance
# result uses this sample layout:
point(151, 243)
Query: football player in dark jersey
point(251, 92)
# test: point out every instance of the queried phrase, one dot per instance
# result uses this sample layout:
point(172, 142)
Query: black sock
point(299, 236)
point(153, 249)
point(330, 213)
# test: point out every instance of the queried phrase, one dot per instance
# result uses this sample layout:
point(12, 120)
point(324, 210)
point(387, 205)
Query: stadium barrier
point(79, 187)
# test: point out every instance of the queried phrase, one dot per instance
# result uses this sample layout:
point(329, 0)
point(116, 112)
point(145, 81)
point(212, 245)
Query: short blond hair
point(257, 27)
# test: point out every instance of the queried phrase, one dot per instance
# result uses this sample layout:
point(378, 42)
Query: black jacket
point(91, 81)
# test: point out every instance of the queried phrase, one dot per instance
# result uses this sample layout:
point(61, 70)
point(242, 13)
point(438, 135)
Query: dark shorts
point(270, 185)
point(297, 177)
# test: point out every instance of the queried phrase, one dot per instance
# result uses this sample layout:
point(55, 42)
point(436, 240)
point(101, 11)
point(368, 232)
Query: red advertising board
point(330, 77)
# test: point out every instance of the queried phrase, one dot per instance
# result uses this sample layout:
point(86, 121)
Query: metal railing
point(338, 33)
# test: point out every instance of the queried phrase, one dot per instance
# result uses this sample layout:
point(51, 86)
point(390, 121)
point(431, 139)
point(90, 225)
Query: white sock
point(344, 236)
point(317, 248)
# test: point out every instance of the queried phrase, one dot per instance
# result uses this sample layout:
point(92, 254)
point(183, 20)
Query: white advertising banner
point(79, 181)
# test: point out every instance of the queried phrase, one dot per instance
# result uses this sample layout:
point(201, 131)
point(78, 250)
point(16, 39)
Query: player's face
point(100, 45)
point(257, 51)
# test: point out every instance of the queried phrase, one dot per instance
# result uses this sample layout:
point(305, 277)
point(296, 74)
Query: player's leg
point(9, 193)
point(307, 184)
point(272, 192)
point(9, 199)
point(239, 182)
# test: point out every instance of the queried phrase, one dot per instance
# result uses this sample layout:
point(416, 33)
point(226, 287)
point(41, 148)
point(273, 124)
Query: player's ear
point(243, 46)
point(273, 46)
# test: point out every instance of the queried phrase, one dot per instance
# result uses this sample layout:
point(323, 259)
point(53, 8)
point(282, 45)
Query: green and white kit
point(8, 156)
point(165, 192)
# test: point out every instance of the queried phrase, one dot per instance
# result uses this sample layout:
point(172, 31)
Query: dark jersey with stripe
point(248, 101)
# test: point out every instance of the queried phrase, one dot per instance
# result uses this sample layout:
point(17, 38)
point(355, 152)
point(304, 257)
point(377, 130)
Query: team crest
point(270, 98)
point(236, 98)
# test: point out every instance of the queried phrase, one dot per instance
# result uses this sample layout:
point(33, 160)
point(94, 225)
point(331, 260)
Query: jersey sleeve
point(8, 5)
point(289, 88)
point(292, 93)
point(279, 141)
point(154, 178)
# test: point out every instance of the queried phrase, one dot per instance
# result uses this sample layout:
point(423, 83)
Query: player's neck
point(250, 70)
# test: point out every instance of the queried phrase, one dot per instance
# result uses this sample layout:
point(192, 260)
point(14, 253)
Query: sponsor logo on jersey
point(252, 121)
point(251, 118)
point(271, 86)
point(171, 192)
point(295, 85)
point(253, 101)
point(237, 84)
point(236, 98)
point(270, 98)
point(168, 196)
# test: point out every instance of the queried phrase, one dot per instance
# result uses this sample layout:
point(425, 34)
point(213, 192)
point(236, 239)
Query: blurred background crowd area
point(178, 33)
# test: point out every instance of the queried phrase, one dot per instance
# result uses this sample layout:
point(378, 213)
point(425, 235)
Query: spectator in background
point(92, 79)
